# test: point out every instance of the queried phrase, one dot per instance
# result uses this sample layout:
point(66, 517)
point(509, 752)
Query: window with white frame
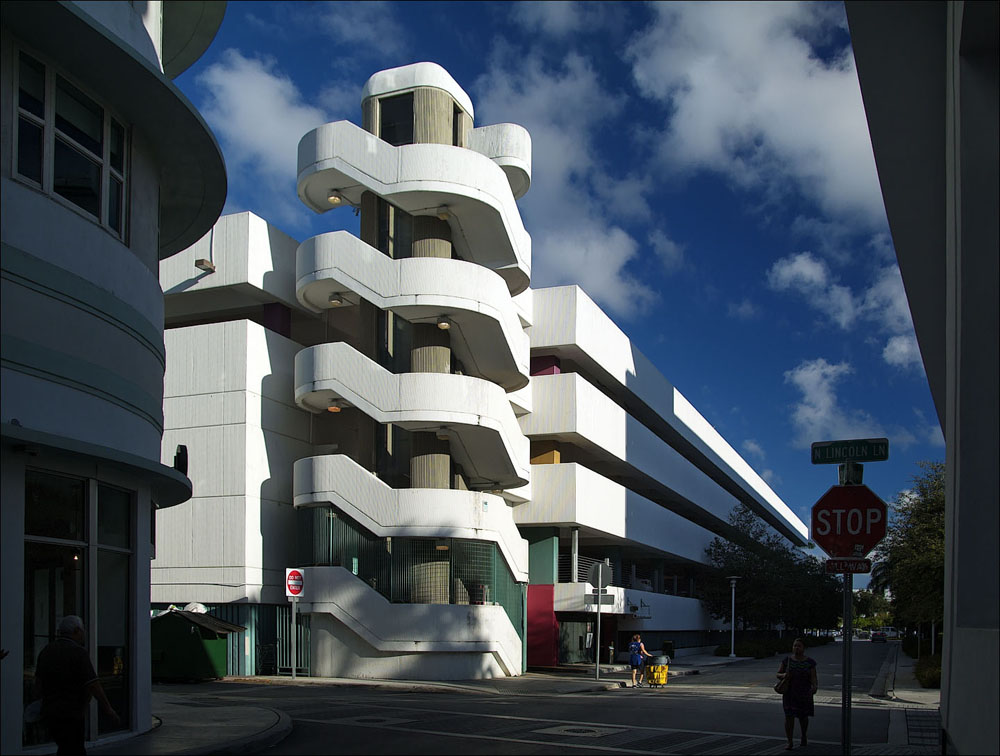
point(69, 146)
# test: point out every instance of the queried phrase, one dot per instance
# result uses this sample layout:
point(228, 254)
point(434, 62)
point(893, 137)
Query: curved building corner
point(81, 343)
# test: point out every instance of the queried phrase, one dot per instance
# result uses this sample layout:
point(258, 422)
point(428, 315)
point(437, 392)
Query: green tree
point(911, 558)
point(871, 610)
point(777, 584)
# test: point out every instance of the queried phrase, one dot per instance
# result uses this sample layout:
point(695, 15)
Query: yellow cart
point(657, 670)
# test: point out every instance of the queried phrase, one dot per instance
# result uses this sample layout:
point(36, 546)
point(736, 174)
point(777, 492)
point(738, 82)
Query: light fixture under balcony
point(206, 265)
point(443, 213)
point(335, 300)
point(336, 405)
point(443, 323)
point(441, 545)
point(335, 198)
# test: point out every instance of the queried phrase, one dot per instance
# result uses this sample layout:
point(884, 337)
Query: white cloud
point(258, 113)
point(810, 277)
point(574, 236)
point(744, 310)
point(259, 116)
point(817, 416)
point(750, 446)
point(671, 253)
point(883, 304)
point(369, 25)
point(558, 19)
point(749, 97)
point(771, 477)
point(902, 351)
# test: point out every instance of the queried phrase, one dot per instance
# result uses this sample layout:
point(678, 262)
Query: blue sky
point(703, 171)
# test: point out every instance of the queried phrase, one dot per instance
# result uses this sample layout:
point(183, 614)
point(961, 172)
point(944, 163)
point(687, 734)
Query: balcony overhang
point(461, 186)
point(472, 414)
point(485, 330)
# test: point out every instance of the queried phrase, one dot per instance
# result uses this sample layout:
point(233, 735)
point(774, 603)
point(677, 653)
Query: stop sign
point(848, 521)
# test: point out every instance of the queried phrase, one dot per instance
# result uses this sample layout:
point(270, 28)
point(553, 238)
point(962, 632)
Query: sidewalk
point(187, 728)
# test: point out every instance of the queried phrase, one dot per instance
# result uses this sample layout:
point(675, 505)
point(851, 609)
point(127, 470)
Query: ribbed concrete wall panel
point(420, 513)
point(247, 251)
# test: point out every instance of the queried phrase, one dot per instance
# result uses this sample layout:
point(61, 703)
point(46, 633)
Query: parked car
point(879, 636)
point(891, 633)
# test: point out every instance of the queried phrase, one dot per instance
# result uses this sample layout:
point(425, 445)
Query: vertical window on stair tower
point(396, 119)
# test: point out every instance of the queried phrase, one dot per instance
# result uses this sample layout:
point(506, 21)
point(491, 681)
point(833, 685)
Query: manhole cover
point(576, 731)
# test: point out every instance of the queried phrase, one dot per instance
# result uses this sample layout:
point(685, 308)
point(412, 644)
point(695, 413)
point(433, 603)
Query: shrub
point(928, 671)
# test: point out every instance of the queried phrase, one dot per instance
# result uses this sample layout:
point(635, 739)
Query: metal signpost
point(294, 583)
point(848, 522)
point(599, 577)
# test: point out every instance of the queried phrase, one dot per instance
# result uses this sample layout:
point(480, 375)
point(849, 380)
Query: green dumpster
point(189, 645)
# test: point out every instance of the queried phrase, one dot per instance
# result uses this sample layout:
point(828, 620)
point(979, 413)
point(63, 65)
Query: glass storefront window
point(78, 560)
point(114, 521)
point(113, 634)
point(54, 506)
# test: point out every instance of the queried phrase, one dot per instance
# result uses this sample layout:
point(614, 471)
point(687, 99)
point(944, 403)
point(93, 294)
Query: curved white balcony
point(467, 189)
point(509, 146)
point(486, 333)
point(473, 414)
point(409, 641)
point(339, 481)
point(423, 74)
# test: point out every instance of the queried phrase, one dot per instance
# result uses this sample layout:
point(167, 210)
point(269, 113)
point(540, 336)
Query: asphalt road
point(729, 709)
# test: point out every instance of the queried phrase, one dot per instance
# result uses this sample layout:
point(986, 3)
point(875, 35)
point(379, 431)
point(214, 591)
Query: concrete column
point(431, 352)
point(575, 557)
point(431, 237)
point(433, 111)
point(430, 463)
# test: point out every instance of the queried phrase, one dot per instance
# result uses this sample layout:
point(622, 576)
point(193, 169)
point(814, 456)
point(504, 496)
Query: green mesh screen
point(418, 570)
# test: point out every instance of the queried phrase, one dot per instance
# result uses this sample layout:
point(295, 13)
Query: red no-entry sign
point(849, 521)
point(294, 582)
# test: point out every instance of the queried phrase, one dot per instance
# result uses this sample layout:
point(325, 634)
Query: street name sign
point(858, 450)
point(841, 566)
point(848, 521)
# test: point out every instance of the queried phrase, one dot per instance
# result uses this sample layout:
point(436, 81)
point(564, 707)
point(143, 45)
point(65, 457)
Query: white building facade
point(106, 169)
point(402, 418)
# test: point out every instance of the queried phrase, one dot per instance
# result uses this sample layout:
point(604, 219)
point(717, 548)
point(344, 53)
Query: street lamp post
point(732, 642)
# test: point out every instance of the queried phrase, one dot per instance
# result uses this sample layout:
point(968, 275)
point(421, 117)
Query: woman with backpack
point(636, 656)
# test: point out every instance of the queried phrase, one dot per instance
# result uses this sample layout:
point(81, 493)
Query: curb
point(886, 677)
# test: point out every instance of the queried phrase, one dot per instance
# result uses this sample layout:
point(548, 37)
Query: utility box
point(189, 645)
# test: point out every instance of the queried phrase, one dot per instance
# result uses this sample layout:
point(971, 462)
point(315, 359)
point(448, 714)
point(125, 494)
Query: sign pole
point(845, 696)
point(597, 635)
point(295, 603)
